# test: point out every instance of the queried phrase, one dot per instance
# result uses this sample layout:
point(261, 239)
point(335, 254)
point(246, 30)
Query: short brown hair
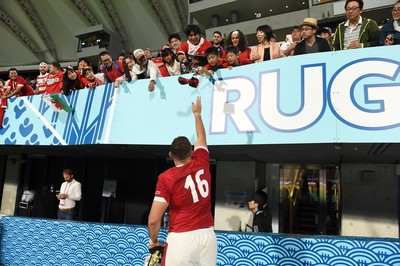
point(181, 148)
point(68, 171)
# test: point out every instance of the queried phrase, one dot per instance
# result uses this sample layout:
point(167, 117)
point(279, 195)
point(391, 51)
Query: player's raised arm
point(200, 131)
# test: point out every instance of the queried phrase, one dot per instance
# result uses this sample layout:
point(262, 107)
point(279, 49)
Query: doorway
point(309, 199)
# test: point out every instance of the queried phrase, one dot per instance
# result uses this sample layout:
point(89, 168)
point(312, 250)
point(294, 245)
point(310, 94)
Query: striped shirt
point(351, 34)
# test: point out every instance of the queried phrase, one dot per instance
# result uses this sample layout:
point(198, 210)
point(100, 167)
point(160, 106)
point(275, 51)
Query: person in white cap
point(41, 80)
point(145, 69)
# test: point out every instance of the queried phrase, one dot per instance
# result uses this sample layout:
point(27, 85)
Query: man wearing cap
point(41, 80)
point(310, 43)
point(145, 69)
point(356, 31)
point(262, 220)
point(111, 69)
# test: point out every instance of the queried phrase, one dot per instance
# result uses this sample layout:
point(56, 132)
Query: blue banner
point(343, 96)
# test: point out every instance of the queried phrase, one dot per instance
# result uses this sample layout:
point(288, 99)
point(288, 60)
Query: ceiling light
point(287, 6)
point(226, 20)
point(270, 10)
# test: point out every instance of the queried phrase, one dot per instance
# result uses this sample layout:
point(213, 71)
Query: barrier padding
point(28, 241)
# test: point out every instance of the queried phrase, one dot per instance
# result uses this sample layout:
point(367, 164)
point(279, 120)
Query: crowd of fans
point(202, 57)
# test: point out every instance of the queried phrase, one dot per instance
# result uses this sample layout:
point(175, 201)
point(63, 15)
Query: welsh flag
point(57, 103)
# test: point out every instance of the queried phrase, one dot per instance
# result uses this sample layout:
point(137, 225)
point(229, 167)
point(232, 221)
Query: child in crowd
point(170, 62)
point(90, 81)
point(214, 61)
point(234, 59)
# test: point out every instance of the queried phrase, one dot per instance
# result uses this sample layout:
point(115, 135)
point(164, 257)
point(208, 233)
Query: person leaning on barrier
point(144, 69)
point(16, 85)
point(54, 81)
point(111, 69)
point(356, 31)
point(90, 81)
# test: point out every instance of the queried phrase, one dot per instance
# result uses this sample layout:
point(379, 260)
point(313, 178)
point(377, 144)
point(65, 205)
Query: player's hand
point(196, 107)
point(155, 245)
point(389, 39)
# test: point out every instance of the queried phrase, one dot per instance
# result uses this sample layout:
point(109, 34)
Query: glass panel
point(309, 200)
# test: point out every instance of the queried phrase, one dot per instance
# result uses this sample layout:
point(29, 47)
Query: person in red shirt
point(194, 45)
point(186, 190)
point(214, 61)
point(233, 57)
point(90, 80)
point(237, 38)
point(17, 85)
point(111, 69)
point(54, 80)
point(3, 105)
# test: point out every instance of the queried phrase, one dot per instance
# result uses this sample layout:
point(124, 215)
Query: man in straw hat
point(310, 43)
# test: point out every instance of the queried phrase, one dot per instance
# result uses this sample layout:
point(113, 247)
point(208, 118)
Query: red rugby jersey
point(187, 189)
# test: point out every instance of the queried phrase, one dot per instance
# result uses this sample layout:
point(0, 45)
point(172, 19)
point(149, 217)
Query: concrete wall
point(10, 188)
point(369, 200)
point(234, 179)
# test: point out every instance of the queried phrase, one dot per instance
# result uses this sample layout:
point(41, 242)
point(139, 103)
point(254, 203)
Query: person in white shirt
point(41, 80)
point(70, 193)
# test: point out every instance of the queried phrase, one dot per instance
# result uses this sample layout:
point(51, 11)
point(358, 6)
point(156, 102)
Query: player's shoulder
point(201, 149)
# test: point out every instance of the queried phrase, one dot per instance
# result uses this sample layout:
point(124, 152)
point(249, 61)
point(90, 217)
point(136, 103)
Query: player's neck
point(181, 162)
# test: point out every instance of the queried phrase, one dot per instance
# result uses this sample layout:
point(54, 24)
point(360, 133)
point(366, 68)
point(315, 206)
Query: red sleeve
point(245, 61)
point(245, 54)
point(162, 190)
point(184, 48)
point(202, 156)
point(60, 83)
point(121, 68)
point(84, 81)
point(208, 67)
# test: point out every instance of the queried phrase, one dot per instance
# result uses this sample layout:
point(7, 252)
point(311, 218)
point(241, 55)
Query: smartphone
point(289, 38)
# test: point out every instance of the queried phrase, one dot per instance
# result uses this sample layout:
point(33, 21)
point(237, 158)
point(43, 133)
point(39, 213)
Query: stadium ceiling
point(44, 30)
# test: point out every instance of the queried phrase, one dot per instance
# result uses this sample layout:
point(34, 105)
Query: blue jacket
point(389, 29)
